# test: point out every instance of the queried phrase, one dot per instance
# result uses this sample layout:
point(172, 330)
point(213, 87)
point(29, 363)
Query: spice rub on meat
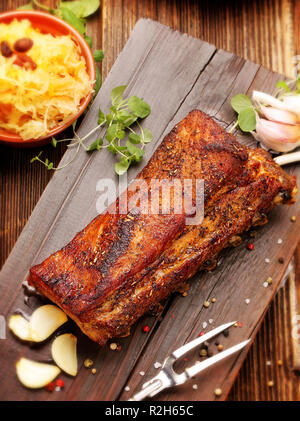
point(121, 265)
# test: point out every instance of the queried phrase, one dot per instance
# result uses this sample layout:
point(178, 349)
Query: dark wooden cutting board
point(175, 74)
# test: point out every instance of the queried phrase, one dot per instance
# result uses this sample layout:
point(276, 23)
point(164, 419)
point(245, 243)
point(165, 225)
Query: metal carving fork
point(167, 377)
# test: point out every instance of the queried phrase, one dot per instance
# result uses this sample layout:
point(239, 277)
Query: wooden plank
point(246, 29)
point(56, 220)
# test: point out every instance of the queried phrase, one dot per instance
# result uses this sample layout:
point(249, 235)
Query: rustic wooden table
point(264, 31)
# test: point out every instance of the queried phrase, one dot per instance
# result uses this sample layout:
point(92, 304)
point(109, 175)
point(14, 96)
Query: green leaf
point(139, 107)
point(71, 18)
point(101, 118)
point(50, 166)
point(298, 84)
point(109, 118)
point(283, 85)
point(120, 134)
point(111, 132)
point(147, 136)
point(89, 40)
point(76, 7)
point(125, 118)
point(98, 55)
point(28, 6)
point(81, 8)
point(240, 102)
point(98, 81)
point(53, 142)
point(117, 95)
point(96, 145)
point(134, 138)
point(247, 119)
point(122, 166)
point(133, 150)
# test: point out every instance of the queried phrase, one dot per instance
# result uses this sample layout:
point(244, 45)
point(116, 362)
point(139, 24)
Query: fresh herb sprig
point(75, 13)
point(119, 124)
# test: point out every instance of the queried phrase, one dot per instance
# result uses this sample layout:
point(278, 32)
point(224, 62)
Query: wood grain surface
point(264, 31)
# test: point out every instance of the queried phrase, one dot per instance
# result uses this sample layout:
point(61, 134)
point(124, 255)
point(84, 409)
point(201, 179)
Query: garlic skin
point(277, 121)
point(277, 136)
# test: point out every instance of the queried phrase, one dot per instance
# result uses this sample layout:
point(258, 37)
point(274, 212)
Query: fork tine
point(198, 367)
point(193, 344)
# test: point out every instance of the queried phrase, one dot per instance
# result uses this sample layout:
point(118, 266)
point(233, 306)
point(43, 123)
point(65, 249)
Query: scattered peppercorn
point(203, 352)
point(184, 294)
point(88, 363)
point(226, 333)
point(279, 362)
point(293, 218)
point(281, 260)
point(269, 280)
point(60, 383)
point(50, 387)
point(201, 333)
point(218, 392)
point(235, 325)
point(213, 300)
point(119, 347)
point(206, 304)
point(250, 246)
point(185, 359)
point(113, 346)
point(253, 234)
point(270, 383)
point(146, 328)
point(220, 347)
point(94, 371)
point(217, 343)
point(239, 324)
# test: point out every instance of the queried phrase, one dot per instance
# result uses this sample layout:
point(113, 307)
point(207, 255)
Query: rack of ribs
point(123, 264)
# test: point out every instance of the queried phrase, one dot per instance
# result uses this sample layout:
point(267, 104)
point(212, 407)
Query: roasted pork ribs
point(122, 265)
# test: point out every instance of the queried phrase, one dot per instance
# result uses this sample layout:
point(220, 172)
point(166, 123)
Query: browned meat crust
point(119, 266)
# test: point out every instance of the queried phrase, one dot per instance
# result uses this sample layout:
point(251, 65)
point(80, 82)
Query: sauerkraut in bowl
point(43, 80)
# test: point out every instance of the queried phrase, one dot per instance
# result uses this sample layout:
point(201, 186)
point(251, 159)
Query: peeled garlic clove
point(279, 116)
point(64, 353)
point(44, 321)
point(20, 327)
point(35, 375)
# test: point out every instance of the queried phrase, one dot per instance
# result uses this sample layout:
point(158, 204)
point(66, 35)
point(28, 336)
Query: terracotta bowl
point(49, 24)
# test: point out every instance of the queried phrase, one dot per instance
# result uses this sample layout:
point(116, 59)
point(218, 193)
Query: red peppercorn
point(240, 324)
point(50, 387)
point(185, 359)
point(146, 328)
point(60, 383)
point(201, 333)
point(250, 246)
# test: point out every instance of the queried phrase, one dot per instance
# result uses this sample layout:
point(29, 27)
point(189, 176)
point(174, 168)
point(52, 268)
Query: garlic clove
point(19, 326)
point(265, 99)
point(277, 136)
point(35, 375)
point(292, 103)
point(279, 116)
point(44, 321)
point(64, 353)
